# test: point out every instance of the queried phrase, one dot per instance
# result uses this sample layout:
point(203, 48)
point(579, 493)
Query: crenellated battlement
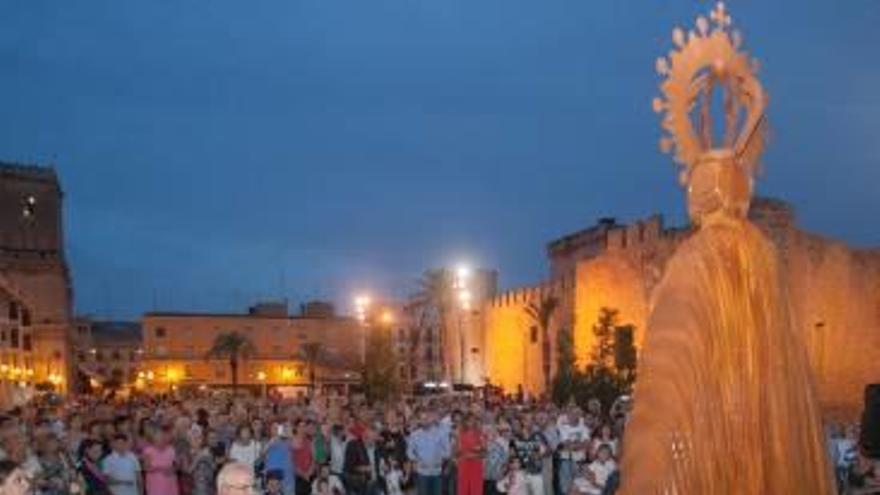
point(609, 236)
point(28, 171)
point(520, 295)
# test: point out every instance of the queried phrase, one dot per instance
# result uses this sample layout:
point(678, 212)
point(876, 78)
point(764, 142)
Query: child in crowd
point(274, 482)
point(122, 468)
point(594, 476)
point(395, 477)
point(514, 481)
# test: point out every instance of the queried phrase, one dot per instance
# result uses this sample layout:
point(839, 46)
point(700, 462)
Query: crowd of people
point(328, 445)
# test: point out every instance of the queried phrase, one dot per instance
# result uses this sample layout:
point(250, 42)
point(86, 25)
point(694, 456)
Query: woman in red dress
point(470, 448)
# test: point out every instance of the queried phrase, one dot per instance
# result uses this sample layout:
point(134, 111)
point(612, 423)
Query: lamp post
point(261, 377)
point(361, 306)
point(462, 274)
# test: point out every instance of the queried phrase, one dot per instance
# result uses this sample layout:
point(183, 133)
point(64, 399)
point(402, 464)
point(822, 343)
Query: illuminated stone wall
point(513, 357)
point(834, 289)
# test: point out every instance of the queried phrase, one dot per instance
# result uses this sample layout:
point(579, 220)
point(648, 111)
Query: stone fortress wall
point(834, 291)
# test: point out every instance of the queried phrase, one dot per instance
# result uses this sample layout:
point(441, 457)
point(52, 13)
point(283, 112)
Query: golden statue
point(725, 403)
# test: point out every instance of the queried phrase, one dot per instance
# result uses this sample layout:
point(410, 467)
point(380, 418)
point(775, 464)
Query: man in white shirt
point(122, 468)
point(573, 438)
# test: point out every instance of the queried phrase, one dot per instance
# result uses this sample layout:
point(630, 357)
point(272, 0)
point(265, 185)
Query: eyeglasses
point(243, 487)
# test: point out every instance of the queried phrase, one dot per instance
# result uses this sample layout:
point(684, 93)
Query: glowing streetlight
point(462, 274)
point(465, 297)
point(261, 377)
point(387, 317)
point(361, 304)
point(463, 293)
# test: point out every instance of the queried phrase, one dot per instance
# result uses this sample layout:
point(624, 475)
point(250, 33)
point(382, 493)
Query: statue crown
point(705, 59)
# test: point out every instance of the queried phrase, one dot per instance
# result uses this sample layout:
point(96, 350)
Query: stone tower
point(34, 266)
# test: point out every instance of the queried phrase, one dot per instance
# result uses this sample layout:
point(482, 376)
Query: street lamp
point(361, 305)
point(462, 276)
point(171, 376)
point(387, 317)
point(261, 377)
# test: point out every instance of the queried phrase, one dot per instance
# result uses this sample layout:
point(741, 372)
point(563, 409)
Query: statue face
point(718, 188)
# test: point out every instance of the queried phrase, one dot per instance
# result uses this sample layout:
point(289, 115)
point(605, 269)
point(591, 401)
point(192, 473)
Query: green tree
point(611, 370)
point(603, 350)
point(436, 294)
point(313, 353)
point(567, 378)
point(420, 327)
point(380, 371)
point(541, 312)
point(232, 346)
point(625, 349)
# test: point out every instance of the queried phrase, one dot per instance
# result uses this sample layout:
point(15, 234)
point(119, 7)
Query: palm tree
point(541, 313)
point(436, 291)
point(312, 353)
point(232, 346)
point(418, 330)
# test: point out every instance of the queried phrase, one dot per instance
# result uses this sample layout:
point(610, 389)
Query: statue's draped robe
point(724, 403)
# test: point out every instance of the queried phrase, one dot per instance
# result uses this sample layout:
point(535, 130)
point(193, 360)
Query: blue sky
point(213, 153)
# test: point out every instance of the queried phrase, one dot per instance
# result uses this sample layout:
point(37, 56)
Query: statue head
point(718, 188)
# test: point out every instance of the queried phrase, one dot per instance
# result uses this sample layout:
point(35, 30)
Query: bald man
point(235, 479)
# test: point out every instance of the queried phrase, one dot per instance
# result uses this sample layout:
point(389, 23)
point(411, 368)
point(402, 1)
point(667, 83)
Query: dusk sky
point(217, 152)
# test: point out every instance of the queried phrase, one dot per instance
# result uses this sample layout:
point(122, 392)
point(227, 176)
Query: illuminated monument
point(725, 402)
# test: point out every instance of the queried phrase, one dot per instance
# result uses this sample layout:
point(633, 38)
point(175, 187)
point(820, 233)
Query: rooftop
point(116, 331)
point(28, 171)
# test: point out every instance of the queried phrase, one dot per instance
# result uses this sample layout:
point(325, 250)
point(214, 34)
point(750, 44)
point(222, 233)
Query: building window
point(80, 356)
point(13, 311)
point(26, 342)
point(13, 337)
point(25, 318)
point(533, 334)
point(57, 355)
point(160, 332)
point(3, 335)
point(99, 356)
point(116, 355)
